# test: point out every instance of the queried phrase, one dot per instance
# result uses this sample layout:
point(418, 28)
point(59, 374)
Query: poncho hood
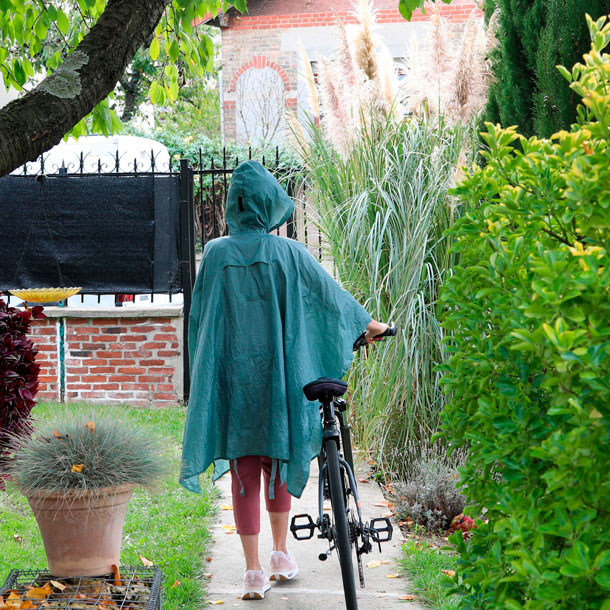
point(256, 202)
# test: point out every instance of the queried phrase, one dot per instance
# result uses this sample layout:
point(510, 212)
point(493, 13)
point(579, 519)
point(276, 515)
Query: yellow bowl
point(45, 295)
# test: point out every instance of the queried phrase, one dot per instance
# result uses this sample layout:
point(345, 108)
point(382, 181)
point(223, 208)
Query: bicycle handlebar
point(389, 332)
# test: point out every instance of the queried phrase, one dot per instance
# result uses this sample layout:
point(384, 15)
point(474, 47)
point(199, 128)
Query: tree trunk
point(34, 123)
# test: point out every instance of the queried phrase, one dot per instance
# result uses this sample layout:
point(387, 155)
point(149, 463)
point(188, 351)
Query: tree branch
point(34, 123)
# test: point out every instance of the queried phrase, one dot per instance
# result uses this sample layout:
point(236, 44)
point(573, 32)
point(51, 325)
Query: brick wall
point(259, 38)
point(130, 355)
point(288, 14)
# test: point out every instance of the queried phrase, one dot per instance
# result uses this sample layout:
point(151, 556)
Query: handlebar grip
point(389, 332)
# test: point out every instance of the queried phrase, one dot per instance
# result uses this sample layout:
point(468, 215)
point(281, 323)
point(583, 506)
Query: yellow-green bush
point(528, 309)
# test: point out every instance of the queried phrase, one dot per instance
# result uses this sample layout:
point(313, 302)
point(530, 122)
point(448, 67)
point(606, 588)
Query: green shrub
point(75, 452)
point(529, 372)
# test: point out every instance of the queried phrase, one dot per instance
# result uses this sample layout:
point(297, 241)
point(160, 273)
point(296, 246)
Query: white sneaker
point(255, 585)
point(282, 566)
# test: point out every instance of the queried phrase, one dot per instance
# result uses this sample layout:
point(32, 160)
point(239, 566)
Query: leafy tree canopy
point(81, 48)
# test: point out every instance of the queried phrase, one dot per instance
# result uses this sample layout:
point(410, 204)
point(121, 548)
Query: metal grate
point(139, 589)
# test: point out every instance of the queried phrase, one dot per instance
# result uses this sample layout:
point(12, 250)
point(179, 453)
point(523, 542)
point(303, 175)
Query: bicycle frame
point(347, 527)
point(331, 434)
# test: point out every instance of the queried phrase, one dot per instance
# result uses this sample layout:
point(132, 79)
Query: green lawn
point(423, 562)
point(168, 526)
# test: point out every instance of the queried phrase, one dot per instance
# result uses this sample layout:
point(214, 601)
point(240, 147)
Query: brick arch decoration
point(260, 61)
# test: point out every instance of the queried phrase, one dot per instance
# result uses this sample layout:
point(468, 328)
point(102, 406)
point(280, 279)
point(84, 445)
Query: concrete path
point(319, 583)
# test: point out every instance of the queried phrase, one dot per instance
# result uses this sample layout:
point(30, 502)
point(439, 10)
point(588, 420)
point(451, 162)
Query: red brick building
point(260, 59)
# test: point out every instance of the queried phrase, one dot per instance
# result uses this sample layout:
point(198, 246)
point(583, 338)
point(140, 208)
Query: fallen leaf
point(77, 467)
point(102, 607)
point(226, 507)
point(218, 602)
point(13, 600)
point(176, 584)
point(59, 586)
point(17, 538)
point(40, 592)
point(450, 573)
point(381, 504)
point(57, 433)
point(208, 559)
point(147, 562)
point(117, 582)
point(90, 425)
point(392, 575)
point(384, 562)
point(373, 564)
point(284, 598)
point(25, 605)
point(363, 480)
point(407, 598)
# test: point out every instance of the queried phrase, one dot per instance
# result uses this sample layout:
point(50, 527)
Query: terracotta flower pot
point(82, 534)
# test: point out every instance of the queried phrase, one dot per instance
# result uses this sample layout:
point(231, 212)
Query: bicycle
point(337, 483)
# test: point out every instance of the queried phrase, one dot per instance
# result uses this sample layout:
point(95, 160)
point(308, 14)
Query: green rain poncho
point(266, 319)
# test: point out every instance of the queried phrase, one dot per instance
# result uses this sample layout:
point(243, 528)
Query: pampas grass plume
point(365, 40)
point(310, 82)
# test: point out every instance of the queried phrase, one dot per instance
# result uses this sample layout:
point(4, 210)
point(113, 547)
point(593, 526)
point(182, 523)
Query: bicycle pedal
point(307, 527)
point(381, 529)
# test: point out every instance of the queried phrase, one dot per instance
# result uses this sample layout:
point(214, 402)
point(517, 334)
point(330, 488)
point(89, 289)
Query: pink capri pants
point(245, 488)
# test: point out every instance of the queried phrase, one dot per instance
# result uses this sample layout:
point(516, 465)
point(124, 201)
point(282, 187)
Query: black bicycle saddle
point(325, 389)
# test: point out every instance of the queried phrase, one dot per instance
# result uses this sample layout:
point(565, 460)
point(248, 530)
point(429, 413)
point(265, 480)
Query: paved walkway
point(319, 583)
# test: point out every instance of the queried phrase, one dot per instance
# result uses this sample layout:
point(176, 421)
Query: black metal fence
point(203, 188)
point(208, 181)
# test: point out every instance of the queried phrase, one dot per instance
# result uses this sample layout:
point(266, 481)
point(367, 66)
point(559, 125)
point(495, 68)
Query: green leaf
point(407, 7)
point(62, 22)
point(157, 94)
point(565, 73)
point(154, 48)
point(41, 29)
point(174, 50)
point(19, 72)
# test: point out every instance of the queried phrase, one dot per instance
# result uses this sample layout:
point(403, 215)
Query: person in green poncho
point(265, 320)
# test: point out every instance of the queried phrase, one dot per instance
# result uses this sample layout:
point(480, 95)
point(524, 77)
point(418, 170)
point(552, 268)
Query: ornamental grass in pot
point(78, 475)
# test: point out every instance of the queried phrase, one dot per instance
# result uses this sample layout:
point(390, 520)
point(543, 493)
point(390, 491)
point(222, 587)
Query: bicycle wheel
point(342, 537)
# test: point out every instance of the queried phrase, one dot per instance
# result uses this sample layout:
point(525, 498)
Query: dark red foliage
point(18, 372)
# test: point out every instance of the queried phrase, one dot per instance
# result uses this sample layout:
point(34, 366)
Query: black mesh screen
point(105, 233)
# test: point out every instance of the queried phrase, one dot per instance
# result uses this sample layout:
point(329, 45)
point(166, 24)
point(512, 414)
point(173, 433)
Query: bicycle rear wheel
point(342, 536)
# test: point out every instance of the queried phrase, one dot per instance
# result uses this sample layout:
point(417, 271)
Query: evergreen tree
point(535, 36)
point(564, 40)
point(515, 61)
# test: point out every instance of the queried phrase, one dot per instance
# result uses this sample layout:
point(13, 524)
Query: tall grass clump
point(381, 156)
point(382, 212)
point(83, 454)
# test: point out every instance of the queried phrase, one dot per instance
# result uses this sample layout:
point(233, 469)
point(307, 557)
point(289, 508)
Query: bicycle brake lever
point(390, 331)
